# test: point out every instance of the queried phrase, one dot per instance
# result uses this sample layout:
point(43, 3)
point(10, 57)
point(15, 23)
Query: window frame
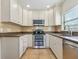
point(66, 12)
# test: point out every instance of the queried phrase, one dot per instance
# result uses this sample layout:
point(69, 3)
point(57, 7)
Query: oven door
point(38, 41)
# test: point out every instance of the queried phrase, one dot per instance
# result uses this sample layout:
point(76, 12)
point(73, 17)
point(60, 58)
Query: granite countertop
point(69, 38)
point(13, 34)
point(17, 34)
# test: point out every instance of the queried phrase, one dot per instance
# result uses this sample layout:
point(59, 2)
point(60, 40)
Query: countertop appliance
point(38, 38)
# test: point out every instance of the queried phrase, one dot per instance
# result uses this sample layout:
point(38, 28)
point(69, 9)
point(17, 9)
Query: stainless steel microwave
point(38, 22)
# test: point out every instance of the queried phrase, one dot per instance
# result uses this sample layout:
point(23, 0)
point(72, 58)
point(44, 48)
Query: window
point(71, 19)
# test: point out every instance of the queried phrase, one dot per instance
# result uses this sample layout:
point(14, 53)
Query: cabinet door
point(9, 48)
point(56, 44)
point(25, 20)
point(14, 11)
point(20, 14)
point(57, 15)
point(29, 18)
point(51, 41)
point(50, 17)
point(25, 41)
point(42, 15)
point(46, 18)
point(47, 37)
point(29, 39)
point(36, 14)
point(20, 46)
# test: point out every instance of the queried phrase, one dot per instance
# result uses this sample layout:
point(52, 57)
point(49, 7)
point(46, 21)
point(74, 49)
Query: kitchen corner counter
point(69, 38)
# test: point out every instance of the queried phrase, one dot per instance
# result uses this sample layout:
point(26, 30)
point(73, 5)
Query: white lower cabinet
point(22, 45)
point(9, 47)
point(14, 47)
point(56, 44)
point(29, 38)
point(25, 41)
point(47, 41)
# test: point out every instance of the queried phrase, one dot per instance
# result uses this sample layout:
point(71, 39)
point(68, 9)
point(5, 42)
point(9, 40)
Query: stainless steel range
point(38, 39)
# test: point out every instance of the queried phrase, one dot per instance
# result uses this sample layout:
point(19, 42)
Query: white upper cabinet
point(57, 15)
point(25, 21)
point(30, 15)
point(11, 11)
point(27, 18)
point(36, 14)
point(20, 15)
point(50, 17)
point(14, 11)
point(42, 15)
point(5, 11)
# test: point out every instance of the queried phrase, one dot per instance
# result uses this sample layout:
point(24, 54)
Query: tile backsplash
point(8, 27)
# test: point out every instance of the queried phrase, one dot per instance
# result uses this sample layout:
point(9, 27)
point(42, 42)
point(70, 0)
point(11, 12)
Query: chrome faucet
point(69, 30)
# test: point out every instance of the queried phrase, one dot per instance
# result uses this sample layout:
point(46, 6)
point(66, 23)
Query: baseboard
point(53, 53)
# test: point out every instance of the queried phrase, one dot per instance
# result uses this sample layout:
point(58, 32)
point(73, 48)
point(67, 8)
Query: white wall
point(69, 4)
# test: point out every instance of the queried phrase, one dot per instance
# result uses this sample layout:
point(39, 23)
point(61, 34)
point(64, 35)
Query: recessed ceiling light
point(27, 5)
point(48, 6)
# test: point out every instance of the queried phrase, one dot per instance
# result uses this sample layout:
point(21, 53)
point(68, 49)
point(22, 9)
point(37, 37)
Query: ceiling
point(39, 4)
